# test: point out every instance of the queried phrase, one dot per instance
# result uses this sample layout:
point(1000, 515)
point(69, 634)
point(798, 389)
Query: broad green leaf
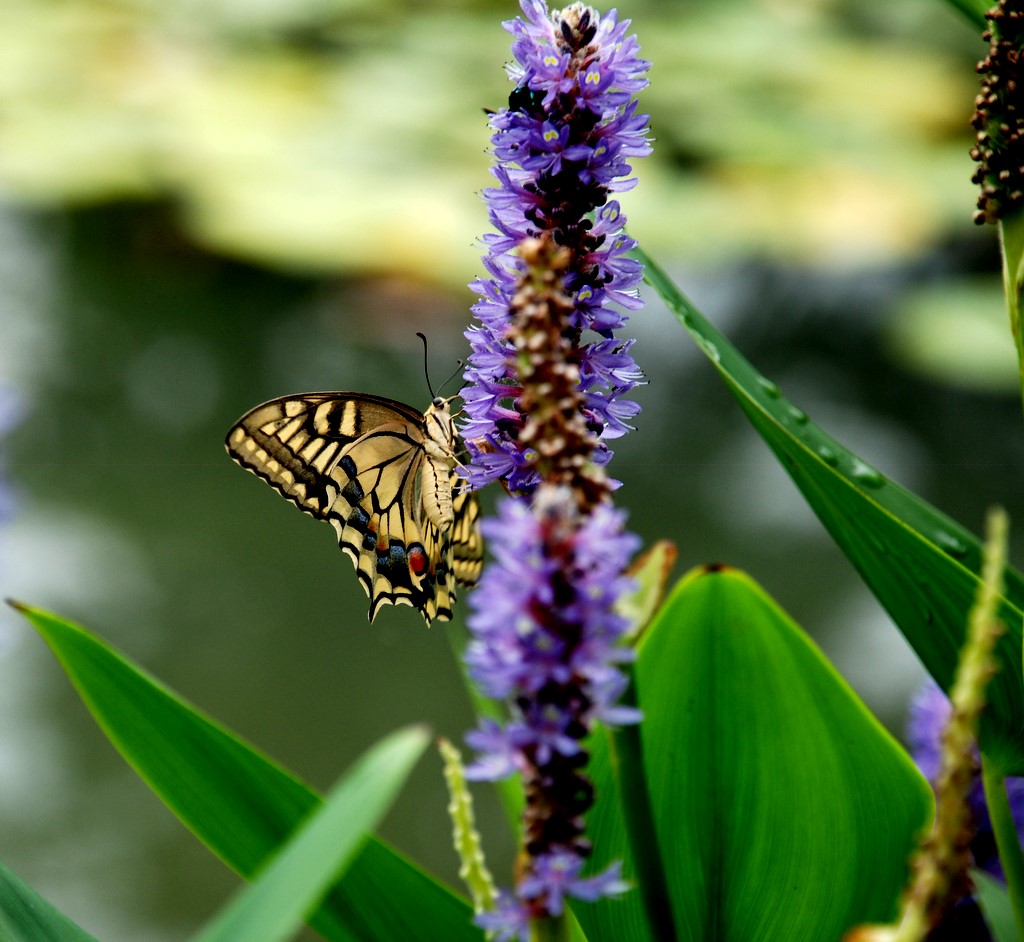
point(274, 907)
point(921, 565)
point(239, 803)
point(782, 808)
point(26, 917)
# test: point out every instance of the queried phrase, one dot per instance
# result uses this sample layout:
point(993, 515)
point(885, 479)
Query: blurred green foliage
point(328, 135)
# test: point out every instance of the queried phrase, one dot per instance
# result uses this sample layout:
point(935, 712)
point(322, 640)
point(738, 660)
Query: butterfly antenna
point(426, 368)
point(426, 372)
point(458, 366)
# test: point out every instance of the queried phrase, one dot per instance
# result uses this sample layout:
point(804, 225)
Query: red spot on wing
point(417, 560)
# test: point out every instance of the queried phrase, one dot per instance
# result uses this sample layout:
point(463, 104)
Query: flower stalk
point(1007, 837)
point(940, 866)
point(473, 869)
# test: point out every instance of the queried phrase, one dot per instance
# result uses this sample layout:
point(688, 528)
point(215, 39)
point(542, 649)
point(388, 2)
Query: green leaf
point(1011, 233)
point(621, 828)
point(239, 803)
point(26, 917)
point(650, 573)
point(921, 565)
point(782, 808)
point(974, 10)
point(995, 904)
point(274, 907)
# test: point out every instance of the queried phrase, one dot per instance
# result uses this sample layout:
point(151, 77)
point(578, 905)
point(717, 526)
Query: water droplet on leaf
point(952, 545)
point(709, 348)
point(798, 415)
point(865, 475)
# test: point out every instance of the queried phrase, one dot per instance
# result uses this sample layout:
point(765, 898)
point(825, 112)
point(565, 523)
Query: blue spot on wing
point(393, 564)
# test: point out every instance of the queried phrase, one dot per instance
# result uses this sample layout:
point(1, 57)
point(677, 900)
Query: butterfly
point(383, 475)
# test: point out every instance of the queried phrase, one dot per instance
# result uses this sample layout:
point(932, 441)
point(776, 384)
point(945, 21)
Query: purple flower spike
point(547, 389)
point(562, 148)
point(544, 634)
point(547, 640)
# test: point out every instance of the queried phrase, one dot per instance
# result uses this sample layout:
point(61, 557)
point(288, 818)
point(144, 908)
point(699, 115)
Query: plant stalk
point(1011, 244)
point(1007, 840)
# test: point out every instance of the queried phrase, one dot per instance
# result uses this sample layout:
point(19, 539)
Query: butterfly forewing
point(382, 474)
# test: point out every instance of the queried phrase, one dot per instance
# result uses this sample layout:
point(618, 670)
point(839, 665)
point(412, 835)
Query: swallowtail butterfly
point(383, 475)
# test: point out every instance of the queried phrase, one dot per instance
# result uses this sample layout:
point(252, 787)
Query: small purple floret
point(509, 920)
point(557, 876)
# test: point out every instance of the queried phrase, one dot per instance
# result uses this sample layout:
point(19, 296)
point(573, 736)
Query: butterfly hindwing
point(382, 530)
point(467, 544)
point(383, 475)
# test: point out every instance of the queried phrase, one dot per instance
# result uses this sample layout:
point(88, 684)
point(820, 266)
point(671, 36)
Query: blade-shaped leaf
point(239, 803)
point(974, 10)
point(274, 907)
point(995, 903)
point(921, 565)
point(782, 808)
point(26, 917)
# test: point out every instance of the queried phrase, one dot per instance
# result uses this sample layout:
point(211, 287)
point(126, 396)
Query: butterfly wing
point(401, 556)
point(467, 544)
point(358, 462)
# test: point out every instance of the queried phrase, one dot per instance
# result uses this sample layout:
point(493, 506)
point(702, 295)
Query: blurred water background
point(205, 205)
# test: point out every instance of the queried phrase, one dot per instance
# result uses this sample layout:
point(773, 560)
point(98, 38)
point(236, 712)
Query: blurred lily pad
point(957, 334)
point(328, 135)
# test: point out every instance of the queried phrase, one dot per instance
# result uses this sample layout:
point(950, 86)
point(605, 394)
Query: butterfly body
point(383, 475)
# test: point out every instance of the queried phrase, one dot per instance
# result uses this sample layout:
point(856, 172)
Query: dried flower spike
point(999, 116)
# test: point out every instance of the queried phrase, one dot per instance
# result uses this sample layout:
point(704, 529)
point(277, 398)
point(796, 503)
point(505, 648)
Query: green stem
point(554, 929)
point(1011, 242)
point(1007, 839)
